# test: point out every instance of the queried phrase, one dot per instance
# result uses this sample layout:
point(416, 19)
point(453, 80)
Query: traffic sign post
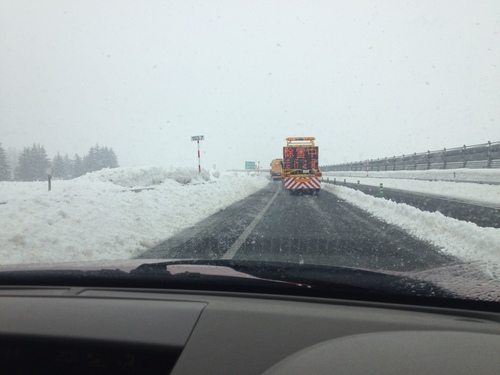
point(198, 138)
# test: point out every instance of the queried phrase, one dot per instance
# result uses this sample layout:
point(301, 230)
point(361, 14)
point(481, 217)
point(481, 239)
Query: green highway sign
point(250, 165)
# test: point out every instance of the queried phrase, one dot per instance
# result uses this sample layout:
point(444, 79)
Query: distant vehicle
point(277, 169)
point(301, 173)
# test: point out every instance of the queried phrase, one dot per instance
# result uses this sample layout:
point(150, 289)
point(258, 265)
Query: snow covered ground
point(473, 186)
point(100, 215)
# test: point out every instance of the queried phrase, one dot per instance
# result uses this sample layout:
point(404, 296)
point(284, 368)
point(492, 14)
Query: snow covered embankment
point(461, 239)
point(99, 216)
point(434, 183)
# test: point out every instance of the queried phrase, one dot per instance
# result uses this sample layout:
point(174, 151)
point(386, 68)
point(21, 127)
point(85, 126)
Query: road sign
point(198, 138)
point(250, 165)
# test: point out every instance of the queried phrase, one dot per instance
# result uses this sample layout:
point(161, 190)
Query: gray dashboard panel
point(406, 352)
point(249, 336)
point(131, 321)
point(236, 333)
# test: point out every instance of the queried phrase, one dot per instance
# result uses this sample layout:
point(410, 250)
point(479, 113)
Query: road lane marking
point(241, 239)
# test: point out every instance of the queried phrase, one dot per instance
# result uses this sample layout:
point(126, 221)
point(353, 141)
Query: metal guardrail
point(486, 155)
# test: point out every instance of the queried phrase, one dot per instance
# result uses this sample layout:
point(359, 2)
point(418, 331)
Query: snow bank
point(461, 239)
point(138, 177)
point(465, 191)
point(102, 216)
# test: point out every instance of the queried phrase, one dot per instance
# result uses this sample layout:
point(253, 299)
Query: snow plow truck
point(301, 173)
point(276, 169)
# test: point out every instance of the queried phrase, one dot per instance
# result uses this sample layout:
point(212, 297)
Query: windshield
point(351, 134)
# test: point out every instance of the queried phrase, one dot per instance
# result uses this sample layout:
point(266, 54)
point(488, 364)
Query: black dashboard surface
point(96, 330)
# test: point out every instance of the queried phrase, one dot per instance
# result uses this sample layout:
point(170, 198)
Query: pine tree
point(5, 174)
point(98, 158)
point(89, 161)
point(58, 168)
point(33, 163)
point(113, 160)
point(108, 158)
point(42, 163)
point(78, 167)
point(13, 159)
point(23, 170)
point(68, 167)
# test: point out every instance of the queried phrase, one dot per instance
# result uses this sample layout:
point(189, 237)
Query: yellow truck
point(301, 173)
point(277, 169)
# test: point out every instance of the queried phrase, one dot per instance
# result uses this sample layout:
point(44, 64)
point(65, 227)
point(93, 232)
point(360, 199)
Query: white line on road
point(237, 244)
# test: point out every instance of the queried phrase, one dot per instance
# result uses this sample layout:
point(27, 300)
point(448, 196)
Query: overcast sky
point(367, 78)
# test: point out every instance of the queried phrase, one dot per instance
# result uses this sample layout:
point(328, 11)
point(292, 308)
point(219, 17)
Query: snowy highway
point(125, 213)
point(301, 229)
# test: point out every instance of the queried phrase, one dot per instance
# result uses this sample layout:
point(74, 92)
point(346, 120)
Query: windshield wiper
point(317, 277)
point(240, 276)
point(309, 280)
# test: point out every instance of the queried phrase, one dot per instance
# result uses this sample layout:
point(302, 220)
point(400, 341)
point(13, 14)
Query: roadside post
point(198, 138)
point(381, 190)
point(48, 171)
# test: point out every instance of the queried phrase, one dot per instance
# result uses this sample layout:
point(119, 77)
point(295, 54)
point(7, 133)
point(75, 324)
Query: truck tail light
point(319, 174)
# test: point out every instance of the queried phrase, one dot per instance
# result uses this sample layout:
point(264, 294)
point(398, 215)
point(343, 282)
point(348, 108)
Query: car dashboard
point(91, 330)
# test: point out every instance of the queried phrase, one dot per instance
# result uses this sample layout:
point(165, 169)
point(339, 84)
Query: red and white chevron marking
point(302, 183)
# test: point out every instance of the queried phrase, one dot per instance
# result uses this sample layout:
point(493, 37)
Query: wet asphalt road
point(271, 225)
